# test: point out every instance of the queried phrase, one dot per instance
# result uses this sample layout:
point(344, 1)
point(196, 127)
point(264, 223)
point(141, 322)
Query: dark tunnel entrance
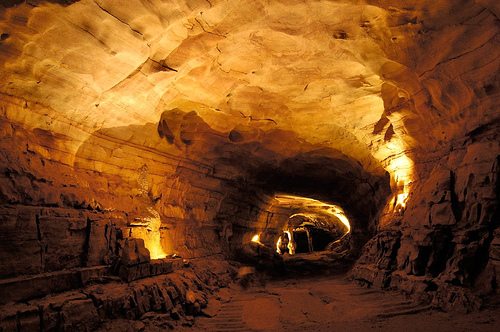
point(312, 225)
point(274, 187)
point(320, 239)
point(302, 241)
point(299, 233)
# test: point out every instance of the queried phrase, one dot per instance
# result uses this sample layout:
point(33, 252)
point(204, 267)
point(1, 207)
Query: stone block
point(442, 214)
point(26, 288)
point(21, 317)
point(134, 252)
point(20, 248)
point(94, 273)
point(130, 273)
point(112, 300)
point(63, 239)
point(29, 319)
point(371, 275)
point(100, 242)
point(143, 270)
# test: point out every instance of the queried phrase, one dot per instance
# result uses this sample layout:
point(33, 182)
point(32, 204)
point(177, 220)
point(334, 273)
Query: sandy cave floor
point(331, 303)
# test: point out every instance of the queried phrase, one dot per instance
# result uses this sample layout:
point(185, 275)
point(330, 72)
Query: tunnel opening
point(302, 241)
point(329, 176)
point(295, 210)
point(299, 235)
point(320, 238)
point(317, 227)
point(312, 226)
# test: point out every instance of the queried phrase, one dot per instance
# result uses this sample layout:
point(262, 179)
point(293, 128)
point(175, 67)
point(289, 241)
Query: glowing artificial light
point(308, 203)
point(401, 169)
point(331, 209)
point(256, 238)
point(401, 200)
point(290, 245)
point(152, 239)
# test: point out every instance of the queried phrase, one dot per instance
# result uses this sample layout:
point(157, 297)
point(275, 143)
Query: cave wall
point(62, 209)
point(443, 246)
point(99, 133)
point(70, 200)
point(445, 243)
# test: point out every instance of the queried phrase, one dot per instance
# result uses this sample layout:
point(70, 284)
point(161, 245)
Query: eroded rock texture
point(446, 238)
point(176, 122)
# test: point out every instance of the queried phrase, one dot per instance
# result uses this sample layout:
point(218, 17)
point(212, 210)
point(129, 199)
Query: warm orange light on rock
point(401, 170)
point(330, 209)
point(151, 236)
point(335, 211)
point(401, 200)
point(256, 238)
point(290, 245)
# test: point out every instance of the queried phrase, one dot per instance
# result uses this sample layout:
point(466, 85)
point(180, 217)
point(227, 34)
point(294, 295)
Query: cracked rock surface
point(177, 122)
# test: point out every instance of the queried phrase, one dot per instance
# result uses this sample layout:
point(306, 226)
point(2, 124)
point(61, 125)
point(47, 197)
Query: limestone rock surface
point(176, 122)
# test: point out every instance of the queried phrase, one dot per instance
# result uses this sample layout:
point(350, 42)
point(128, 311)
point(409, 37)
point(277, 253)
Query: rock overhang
point(309, 68)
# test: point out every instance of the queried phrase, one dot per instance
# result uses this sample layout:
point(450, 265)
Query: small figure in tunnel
point(284, 243)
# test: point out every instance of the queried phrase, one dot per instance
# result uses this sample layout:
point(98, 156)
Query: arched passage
point(167, 127)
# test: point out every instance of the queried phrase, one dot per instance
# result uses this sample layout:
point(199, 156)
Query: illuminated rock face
point(195, 113)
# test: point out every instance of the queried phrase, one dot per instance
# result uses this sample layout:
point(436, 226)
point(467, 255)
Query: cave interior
point(166, 163)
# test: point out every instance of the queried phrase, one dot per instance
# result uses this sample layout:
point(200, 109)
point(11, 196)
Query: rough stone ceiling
point(327, 71)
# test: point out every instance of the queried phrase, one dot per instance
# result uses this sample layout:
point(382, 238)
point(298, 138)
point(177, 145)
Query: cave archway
point(315, 179)
point(312, 225)
point(313, 231)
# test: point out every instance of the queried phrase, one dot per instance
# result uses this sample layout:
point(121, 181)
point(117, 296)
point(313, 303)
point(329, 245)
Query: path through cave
point(331, 303)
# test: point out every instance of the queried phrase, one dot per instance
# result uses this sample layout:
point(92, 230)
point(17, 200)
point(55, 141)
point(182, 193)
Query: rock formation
point(149, 130)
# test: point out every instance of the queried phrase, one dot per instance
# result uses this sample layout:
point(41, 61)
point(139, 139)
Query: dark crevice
point(456, 206)
point(442, 250)
point(389, 133)
point(40, 243)
point(86, 244)
point(420, 264)
point(122, 21)
point(38, 231)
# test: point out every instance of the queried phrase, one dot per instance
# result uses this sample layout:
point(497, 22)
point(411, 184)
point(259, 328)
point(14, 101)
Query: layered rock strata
point(176, 122)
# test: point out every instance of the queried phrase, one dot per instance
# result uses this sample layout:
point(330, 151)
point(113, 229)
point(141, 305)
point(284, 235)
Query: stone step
point(223, 324)
point(229, 319)
point(401, 306)
point(25, 288)
point(222, 327)
point(230, 310)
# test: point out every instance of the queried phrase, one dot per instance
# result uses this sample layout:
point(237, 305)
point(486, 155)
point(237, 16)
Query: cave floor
point(331, 304)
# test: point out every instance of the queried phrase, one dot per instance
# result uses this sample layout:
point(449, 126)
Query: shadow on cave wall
point(35, 3)
point(248, 162)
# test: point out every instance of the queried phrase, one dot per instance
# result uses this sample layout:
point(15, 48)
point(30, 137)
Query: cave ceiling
point(343, 75)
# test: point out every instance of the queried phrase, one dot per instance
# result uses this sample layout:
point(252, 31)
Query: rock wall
point(442, 92)
point(175, 122)
point(61, 210)
point(443, 248)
